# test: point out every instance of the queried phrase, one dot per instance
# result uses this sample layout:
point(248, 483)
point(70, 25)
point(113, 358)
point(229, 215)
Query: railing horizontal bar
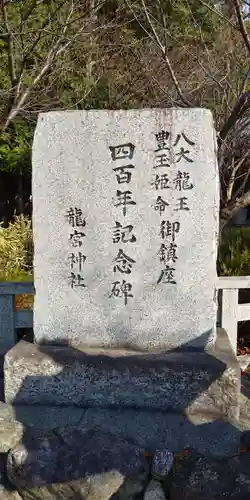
point(227, 282)
point(243, 312)
point(23, 318)
point(16, 288)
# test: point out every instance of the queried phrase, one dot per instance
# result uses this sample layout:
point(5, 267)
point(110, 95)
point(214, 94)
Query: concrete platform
point(178, 381)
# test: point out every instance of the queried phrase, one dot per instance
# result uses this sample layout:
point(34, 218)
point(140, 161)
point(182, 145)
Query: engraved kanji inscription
point(122, 151)
point(123, 174)
point(123, 263)
point(162, 161)
point(167, 253)
point(161, 181)
point(188, 141)
point(76, 280)
point(167, 276)
point(123, 199)
point(182, 181)
point(160, 205)
point(77, 259)
point(182, 204)
point(183, 153)
point(76, 238)
point(75, 217)
point(123, 234)
point(121, 289)
point(169, 229)
point(162, 140)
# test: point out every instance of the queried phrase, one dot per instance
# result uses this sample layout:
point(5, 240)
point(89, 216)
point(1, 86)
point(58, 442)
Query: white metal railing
point(10, 318)
point(229, 309)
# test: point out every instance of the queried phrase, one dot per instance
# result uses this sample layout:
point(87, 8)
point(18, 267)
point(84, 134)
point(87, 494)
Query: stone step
point(176, 381)
point(207, 433)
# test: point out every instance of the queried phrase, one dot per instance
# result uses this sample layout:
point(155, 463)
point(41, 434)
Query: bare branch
point(163, 17)
point(163, 90)
point(33, 45)
point(235, 168)
point(244, 83)
point(208, 74)
point(240, 107)
point(242, 26)
point(228, 213)
point(28, 13)
point(219, 14)
point(156, 39)
point(11, 57)
point(55, 51)
point(153, 28)
point(38, 38)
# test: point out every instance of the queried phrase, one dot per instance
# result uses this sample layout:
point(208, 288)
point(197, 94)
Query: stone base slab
point(205, 433)
point(177, 381)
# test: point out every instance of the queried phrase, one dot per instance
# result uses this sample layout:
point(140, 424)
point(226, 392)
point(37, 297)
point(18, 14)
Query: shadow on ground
point(104, 429)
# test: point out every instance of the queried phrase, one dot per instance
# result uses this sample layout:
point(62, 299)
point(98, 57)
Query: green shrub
point(16, 250)
point(234, 252)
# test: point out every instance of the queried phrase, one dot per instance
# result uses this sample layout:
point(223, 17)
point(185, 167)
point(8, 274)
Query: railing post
point(7, 325)
point(230, 315)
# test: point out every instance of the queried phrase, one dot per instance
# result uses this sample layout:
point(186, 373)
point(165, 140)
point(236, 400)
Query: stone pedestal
point(178, 381)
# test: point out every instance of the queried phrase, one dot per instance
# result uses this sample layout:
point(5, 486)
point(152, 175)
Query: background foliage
point(16, 250)
point(234, 252)
point(75, 54)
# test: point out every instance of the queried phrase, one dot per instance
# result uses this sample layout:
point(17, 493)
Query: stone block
point(99, 487)
point(203, 478)
point(7, 490)
point(15, 422)
point(162, 463)
point(70, 454)
point(9, 493)
point(154, 491)
point(125, 221)
point(186, 382)
point(11, 432)
point(155, 431)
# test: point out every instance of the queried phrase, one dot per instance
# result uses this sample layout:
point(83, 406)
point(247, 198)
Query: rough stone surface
point(206, 433)
point(154, 491)
point(175, 381)
point(74, 168)
point(9, 494)
point(203, 478)
point(98, 487)
point(68, 454)
point(7, 490)
point(132, 488)
point(16, 421)
point(11, 432)
point(162, 463)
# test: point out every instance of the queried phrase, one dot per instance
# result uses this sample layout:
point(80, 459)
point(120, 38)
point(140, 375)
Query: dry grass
point(25, 301)
point(16, 254)
point(16, 250)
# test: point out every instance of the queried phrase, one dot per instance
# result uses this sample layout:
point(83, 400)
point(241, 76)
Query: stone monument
point(125, 221)
point(126, 208)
